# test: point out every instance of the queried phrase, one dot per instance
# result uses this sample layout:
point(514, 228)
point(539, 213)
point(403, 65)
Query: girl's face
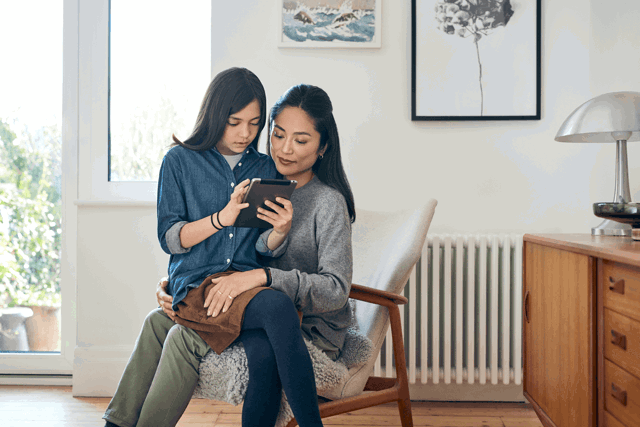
point(241, 130)
point(294, 144)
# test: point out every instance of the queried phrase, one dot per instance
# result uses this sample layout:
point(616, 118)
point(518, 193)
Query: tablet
point(261, 190)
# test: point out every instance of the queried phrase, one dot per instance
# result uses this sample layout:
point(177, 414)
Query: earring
point(320, 157)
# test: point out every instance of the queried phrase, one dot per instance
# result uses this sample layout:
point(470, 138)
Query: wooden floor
point(54, 406)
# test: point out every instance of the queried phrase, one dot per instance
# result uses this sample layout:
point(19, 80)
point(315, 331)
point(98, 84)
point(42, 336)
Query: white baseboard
point(97, 370)
point(54, 380)
point(467, 392)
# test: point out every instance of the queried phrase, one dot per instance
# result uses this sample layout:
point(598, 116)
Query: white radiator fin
point(464, 312)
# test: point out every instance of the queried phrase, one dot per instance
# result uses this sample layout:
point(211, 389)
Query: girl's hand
point(164, 299)
point(280, 219)
point(230, 212)
point(226, 288)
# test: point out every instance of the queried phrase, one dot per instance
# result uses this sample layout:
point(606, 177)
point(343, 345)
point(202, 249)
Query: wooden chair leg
point(404, 401)
point(404, 407)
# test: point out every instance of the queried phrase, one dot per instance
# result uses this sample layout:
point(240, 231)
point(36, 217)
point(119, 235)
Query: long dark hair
point(316, 103)
point(229, 92)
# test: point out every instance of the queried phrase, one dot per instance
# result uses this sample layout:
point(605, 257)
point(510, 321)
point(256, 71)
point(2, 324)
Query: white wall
point(487, 176)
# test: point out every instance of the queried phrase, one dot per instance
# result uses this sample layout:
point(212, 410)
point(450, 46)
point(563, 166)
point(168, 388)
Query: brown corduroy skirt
point(220, 331)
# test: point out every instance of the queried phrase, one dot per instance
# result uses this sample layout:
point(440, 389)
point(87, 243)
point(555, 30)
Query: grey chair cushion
point(224, 377)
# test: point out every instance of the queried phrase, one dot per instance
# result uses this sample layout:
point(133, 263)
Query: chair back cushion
point(386, 246)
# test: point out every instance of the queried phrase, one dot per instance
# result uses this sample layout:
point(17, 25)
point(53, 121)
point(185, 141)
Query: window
point(30, 176)
point(160, 67)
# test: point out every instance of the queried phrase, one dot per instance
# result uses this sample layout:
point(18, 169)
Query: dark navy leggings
point(278, 360)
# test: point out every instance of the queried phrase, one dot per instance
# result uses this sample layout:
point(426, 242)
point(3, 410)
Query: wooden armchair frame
point(379, 389)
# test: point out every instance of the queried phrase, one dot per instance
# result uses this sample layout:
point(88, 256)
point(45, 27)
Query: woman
point(200, 188)
point(313, 266)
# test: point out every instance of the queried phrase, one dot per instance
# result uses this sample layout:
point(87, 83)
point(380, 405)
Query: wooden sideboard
point(581, 334)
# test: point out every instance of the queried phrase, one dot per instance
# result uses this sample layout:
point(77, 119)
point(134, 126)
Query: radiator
point(463, 322)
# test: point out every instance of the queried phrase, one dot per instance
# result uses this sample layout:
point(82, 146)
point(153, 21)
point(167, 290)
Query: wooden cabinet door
point(559, 335)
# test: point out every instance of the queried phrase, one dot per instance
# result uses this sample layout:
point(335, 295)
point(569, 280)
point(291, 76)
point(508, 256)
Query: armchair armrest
point(364, 293)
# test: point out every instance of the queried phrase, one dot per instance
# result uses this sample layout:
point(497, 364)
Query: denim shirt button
point(232, 184)
point(240, 164)
point(231, 235)
point(228, 260)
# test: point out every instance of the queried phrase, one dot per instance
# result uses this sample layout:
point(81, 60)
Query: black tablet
point(261, 190)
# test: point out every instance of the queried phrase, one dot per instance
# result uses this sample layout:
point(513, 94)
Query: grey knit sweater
point(314, 264)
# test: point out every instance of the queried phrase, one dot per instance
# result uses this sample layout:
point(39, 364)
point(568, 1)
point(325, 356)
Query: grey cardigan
point(314, 264)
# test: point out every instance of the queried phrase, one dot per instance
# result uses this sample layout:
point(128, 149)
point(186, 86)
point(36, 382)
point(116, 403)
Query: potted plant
point(30, 272)
point(30, 227)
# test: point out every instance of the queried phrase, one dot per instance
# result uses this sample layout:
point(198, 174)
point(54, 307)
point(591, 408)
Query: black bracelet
point(218, 218)
point(214, 226)
point(268, 272)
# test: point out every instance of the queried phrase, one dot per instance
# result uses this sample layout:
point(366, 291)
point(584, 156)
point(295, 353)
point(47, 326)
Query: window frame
point(56, 368)
point(93, 150)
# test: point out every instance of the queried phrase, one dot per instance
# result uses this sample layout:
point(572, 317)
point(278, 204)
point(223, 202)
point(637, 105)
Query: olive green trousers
point(160, 377)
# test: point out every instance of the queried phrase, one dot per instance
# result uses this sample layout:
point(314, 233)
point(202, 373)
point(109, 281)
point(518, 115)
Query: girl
point(200, 188)
point(313, 266)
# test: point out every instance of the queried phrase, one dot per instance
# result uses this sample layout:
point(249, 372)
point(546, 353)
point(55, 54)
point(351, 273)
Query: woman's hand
point(280, 218)
point(230, 212)
point(226, 288)
point(164, 299)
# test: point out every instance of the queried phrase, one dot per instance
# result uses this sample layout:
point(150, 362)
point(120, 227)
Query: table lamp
point(612, 117)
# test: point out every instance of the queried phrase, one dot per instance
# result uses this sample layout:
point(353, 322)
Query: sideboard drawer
point(622, 341)
point(610, 421)
point(621, 394)
point(621, 288)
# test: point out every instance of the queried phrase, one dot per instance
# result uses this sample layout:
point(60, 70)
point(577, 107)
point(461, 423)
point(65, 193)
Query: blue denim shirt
point(192, 185)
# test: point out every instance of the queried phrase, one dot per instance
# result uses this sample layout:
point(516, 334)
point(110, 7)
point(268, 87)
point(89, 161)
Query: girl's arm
point(195, 232)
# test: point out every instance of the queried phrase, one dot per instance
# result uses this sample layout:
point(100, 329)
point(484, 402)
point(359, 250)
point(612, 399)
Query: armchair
point(386, 246)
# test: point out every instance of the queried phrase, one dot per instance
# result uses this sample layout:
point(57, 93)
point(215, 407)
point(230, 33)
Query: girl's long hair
point(229, 92)
point(316, 103)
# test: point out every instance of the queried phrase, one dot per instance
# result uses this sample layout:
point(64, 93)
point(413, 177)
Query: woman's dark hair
point(229, 92)
point(316, 103)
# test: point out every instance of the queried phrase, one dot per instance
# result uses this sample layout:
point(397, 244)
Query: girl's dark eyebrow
point(238, 118)
point(295, 133)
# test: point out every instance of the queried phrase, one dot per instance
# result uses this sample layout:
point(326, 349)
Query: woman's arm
point(280, 218)
point(273, 242)
point(226, 288)
point(165, 301)
point(328, 289)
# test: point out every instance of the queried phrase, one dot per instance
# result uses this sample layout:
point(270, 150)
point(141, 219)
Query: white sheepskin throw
point(224, 377)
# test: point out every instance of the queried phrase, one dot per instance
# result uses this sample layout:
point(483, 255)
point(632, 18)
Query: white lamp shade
point(596, 119)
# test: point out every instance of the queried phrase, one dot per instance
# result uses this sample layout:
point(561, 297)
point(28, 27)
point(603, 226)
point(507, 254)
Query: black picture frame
point(440, 96)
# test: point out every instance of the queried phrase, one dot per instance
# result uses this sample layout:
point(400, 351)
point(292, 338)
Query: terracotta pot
point(43, 329)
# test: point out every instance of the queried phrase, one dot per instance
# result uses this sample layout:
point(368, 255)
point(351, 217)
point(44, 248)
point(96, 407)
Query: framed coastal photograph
point(330, 23)
point(475, 60)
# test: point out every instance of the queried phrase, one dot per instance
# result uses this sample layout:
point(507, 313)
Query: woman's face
point(241, 130)
point(294, 144)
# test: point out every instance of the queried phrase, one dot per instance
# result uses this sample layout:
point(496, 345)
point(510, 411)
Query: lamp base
point(611, 228)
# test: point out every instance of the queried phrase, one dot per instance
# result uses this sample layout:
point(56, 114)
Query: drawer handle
point(618, 339)
point(616, 286)
point(526, 306)
point(619, 394)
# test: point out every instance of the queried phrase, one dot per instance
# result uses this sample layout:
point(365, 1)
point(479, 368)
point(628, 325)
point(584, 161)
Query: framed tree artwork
point(475, 59)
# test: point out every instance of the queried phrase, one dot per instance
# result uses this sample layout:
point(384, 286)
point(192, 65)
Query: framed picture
point(475, 60)
point(330, 23)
